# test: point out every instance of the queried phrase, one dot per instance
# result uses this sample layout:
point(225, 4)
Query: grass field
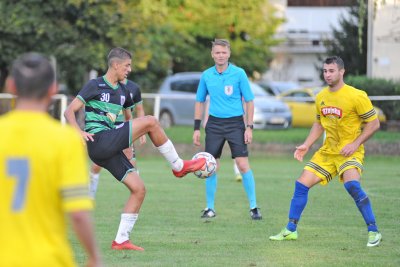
point(331, 232)
point(183, 134)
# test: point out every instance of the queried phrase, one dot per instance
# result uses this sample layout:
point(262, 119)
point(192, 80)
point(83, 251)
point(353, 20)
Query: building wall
point(386, 41)
point(302, 38)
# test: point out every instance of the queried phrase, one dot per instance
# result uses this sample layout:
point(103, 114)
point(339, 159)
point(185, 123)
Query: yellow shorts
point(328, 166)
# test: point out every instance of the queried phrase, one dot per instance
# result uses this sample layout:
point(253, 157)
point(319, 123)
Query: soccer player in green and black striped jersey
point(136, 96)
point(103, 99)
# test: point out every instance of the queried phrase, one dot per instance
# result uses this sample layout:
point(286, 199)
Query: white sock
point(168, 151)
point(94, 181)
point(236, 169)
point(125, 226)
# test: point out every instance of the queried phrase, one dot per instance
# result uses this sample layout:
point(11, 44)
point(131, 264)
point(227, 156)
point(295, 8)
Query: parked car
point(276, 88)
point(301, 103)
point(178, 93)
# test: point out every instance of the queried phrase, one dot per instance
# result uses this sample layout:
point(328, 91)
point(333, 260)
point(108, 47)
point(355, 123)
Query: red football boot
point(190, 166)
point(127, 245)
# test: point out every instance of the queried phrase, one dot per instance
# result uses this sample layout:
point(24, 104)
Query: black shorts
point(219, 130)
point(107, 150)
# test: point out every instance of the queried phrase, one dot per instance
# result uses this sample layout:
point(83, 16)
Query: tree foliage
point(164, 35)
point(350, 40)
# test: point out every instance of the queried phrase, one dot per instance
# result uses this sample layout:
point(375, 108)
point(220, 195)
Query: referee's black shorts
point(219, 130)
point(107, 150)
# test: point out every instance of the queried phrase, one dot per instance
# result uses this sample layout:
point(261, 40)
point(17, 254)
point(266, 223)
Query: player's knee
point(355, 190)
point(152, 122)
point(142, 191)
point(139, 191)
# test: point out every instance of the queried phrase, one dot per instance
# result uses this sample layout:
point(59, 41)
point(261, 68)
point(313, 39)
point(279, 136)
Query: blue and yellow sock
point(362, 201)
point(299, 202)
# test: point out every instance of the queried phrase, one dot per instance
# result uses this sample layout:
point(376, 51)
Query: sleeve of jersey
point(364, 108)
point(317, 110)
point(128, 101)
point(245, 87)
point(86, 93)
point(74, 180)
point(201, 93)
point(137, 98)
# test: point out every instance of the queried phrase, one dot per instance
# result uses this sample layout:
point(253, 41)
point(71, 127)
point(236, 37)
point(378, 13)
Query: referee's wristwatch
point(250, 126)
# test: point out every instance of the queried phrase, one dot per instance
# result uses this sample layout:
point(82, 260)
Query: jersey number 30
point(19, 170)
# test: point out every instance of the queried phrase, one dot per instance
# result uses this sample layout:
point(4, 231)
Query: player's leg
point(238, 175)
point(214, 142)
point(248, 185)
point(318, 170)
point(299, 201)
point(94, 179)
point(133, 158)
point(150, 125)
point(130, 212)
point(351, 179)
point(211, 189)
point(234, 134)
point(120, 167)
point(130, 154)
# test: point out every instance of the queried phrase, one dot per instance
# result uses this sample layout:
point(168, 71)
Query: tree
point(249, 25)
point(71, 31)
point(350, 41)
point(164, 35)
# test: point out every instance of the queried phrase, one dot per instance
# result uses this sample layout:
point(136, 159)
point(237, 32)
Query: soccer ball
point(209, 168)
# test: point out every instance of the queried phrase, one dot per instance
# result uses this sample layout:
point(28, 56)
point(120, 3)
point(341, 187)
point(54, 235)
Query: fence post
point(157, 106)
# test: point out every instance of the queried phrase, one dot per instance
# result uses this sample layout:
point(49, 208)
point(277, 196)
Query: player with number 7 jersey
point(43, 176)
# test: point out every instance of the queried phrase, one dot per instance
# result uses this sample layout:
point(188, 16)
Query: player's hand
point(142, 140)
point(196, 137)
point(87, 136)
point(349, 149)
point(300, 152)
point(248, 136)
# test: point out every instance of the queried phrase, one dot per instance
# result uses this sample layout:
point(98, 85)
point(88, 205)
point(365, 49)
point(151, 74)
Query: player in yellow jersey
point(349, 120)
point(43, 176)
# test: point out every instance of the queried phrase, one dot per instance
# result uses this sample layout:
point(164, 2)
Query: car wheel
point(166, 119)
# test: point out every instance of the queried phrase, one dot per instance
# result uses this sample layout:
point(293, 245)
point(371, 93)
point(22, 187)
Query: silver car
point(178, 93)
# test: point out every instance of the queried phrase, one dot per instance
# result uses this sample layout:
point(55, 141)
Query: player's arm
point(248, 134)
point(139, 110)
point(82, 225)
point(127, 114)
point(315, 133)
point(368, 130)
point(69, 115)
point(198, 114)
point(206, 106)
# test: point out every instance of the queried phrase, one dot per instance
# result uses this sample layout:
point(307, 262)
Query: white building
point(383, 58)
point(307, 24)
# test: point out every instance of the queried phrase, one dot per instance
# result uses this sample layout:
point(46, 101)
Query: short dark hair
point(221, 42)
point(335, 59)
point(33, 75)
point(118, 53)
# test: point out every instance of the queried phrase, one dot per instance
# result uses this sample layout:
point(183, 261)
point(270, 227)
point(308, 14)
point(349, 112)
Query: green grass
point(183, 134)
point(331, 232)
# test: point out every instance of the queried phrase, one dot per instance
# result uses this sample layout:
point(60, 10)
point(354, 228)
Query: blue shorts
point(219, 130)
point(107, 150)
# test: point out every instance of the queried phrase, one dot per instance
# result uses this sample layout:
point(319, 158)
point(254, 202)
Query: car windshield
point(257, 90)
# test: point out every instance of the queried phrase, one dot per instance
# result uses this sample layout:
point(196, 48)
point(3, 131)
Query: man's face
point(220, 54)
point(123, 68)
point(332, 74)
